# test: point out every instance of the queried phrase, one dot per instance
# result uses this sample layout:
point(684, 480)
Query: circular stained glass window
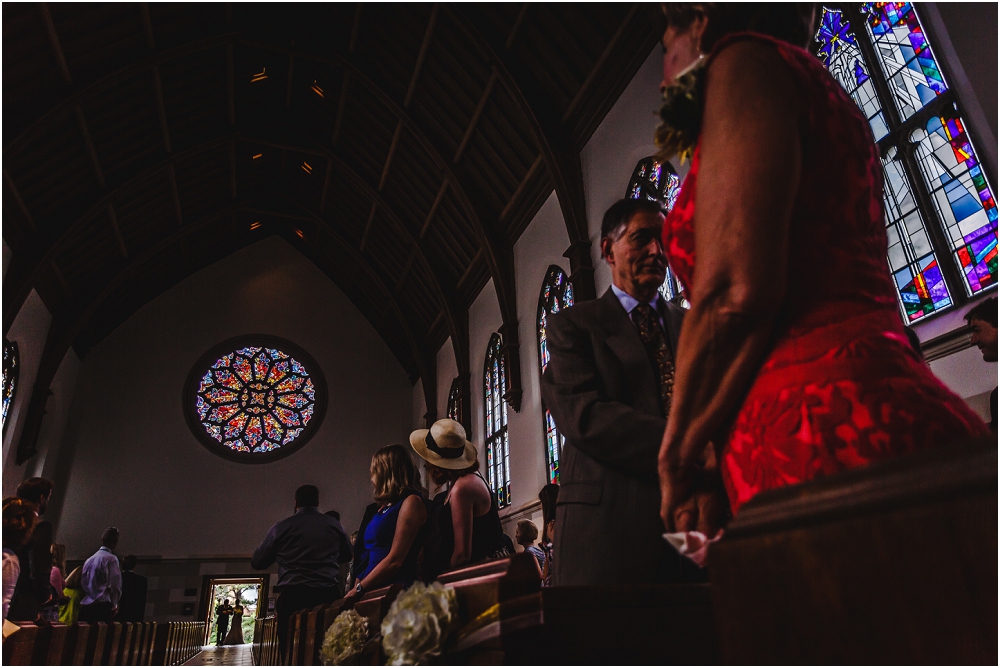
point(255, 399)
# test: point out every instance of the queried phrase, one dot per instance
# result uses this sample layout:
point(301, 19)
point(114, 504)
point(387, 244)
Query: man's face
point(638, 263)
point(43, 503)
point(984, 337)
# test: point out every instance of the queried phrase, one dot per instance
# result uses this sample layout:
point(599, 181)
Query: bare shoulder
point(750, 65)
point(470, 487)
point(414, 505)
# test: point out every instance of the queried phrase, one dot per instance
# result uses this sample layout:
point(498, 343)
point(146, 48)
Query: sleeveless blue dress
point(378, 541)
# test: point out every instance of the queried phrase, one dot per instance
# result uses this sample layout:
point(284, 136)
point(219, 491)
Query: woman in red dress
point(793, 359)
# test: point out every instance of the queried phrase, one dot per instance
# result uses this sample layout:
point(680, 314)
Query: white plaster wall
point(419, 405)
point(28, 330)
point(541, 245)
point(968, 376)
point(136, 465)
point(624, 137)
point(447, 371)
point(484, 320)
point(57, 409)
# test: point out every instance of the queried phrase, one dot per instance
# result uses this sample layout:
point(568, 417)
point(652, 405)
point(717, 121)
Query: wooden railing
point(265, 642)
point(115, 644)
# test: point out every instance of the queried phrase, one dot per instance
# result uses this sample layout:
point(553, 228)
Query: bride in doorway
point(235, 635)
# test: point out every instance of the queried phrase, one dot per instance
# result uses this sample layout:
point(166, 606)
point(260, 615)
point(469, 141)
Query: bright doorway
point(249, 592)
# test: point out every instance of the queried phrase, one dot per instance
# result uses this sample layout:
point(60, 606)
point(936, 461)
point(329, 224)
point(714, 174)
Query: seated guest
point(308, 548)
point(102, 582)
point(18, 521)
point(57, 578)
point(549, 496)
point(982, 318)
point(69, 611)
point(466, 527)
point(132, 607)
point(394, 535)
point(525, 536)
point(33, 589)
point(792, 361)
point(609, 386)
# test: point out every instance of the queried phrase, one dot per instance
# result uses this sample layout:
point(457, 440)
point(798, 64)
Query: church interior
point(245, 246)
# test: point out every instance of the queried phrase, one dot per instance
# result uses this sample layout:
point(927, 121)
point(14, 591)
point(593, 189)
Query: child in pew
point(69, 611)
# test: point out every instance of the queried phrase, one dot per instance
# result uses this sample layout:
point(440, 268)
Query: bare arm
point(468, 492)
point(749, 175)
point(412, 516)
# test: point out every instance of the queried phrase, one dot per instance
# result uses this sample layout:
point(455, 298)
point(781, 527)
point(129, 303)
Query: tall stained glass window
point(557, 294)
point(497, 442)
point(11, 370)
point(657, 181)
point(941, 215)
point(255, 399)
point(455, 401)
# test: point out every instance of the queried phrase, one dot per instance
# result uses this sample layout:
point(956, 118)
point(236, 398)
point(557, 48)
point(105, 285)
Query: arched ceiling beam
point(446, 297)
point(75, 95)
point(498, 254)
point(561, 158)
point(64, 329)
point(18, 285)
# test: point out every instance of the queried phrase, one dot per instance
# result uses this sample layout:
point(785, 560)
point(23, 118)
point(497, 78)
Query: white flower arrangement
point(418, 623)
point(345, 638)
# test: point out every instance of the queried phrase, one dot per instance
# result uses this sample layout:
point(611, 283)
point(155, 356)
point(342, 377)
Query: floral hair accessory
point(680, 115)
point(345, 638)
point(418, 623)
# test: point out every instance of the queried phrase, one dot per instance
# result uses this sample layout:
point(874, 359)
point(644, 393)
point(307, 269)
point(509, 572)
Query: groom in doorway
point(222, 613)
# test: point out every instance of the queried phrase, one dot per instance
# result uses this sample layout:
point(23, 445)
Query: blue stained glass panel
point(556, 295)
point(904, 55)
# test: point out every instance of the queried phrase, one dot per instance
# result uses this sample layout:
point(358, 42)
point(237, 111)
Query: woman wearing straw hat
point(468, 521)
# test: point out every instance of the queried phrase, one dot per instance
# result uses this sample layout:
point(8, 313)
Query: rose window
point(254, 400)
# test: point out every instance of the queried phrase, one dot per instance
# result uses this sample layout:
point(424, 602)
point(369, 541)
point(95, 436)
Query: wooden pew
point(77, 639)
point(96, 644)
point(52, 645)
point(890, 564)
point(316, 624)
point(628, 625)
point(480, 586)
point(19, 649)
point(158, 644)
point(116, 649)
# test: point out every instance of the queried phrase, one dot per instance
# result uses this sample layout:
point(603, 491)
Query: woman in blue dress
point(394, 535)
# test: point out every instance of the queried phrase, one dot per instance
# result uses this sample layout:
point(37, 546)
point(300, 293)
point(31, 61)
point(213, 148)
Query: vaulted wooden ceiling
point(403, 148)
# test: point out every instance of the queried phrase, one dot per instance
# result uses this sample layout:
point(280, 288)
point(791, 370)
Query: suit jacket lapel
point(624, 342)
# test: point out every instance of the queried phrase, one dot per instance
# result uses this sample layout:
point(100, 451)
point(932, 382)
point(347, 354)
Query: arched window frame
point(495, 420)
point(932, 173)
point(556, 294)
point(11, 375)
point(455, 401)
point(658, 182)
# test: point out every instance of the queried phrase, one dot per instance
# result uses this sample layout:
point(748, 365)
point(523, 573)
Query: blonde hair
point(393, 472)
point(58, 551)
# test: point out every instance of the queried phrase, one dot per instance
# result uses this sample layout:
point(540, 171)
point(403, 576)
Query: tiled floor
point(228, 655)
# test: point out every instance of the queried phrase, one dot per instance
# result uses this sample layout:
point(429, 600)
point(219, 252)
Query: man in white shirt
point(102, 582)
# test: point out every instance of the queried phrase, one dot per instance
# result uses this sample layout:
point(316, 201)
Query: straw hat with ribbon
point(444, 445)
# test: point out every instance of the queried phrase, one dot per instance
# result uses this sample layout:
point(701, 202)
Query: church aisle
point(227, 655)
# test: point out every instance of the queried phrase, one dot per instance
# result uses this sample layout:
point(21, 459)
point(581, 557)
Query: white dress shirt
point(11, 571)
point(102, 578)
point(629, 303)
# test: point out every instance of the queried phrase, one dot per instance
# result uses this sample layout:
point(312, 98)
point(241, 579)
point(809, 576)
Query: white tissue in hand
point(692, 544)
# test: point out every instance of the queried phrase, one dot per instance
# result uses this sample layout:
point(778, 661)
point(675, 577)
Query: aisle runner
point(228, 655)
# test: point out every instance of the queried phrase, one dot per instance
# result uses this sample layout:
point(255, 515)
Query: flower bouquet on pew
point(418, 624)
point(345, 639)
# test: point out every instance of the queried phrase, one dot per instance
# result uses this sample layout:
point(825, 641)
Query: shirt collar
point(306, 509)
point(629, 302)
point(105, 548)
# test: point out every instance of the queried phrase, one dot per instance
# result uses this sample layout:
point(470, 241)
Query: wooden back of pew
point(75, 653)
point(481, 586)
point(19, 648)
point(96, 642)
point(891, 564)
point(633, 625)
point(116, 647)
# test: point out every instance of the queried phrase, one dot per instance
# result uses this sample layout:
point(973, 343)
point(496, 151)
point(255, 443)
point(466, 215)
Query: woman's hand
point(691, 491)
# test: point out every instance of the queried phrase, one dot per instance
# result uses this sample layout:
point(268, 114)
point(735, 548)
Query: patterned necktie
point(647, 321)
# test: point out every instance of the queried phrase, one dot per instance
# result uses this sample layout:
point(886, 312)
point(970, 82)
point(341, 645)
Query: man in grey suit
point(608, 387)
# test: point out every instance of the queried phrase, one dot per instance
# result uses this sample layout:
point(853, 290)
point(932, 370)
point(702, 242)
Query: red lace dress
point(841, 386)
